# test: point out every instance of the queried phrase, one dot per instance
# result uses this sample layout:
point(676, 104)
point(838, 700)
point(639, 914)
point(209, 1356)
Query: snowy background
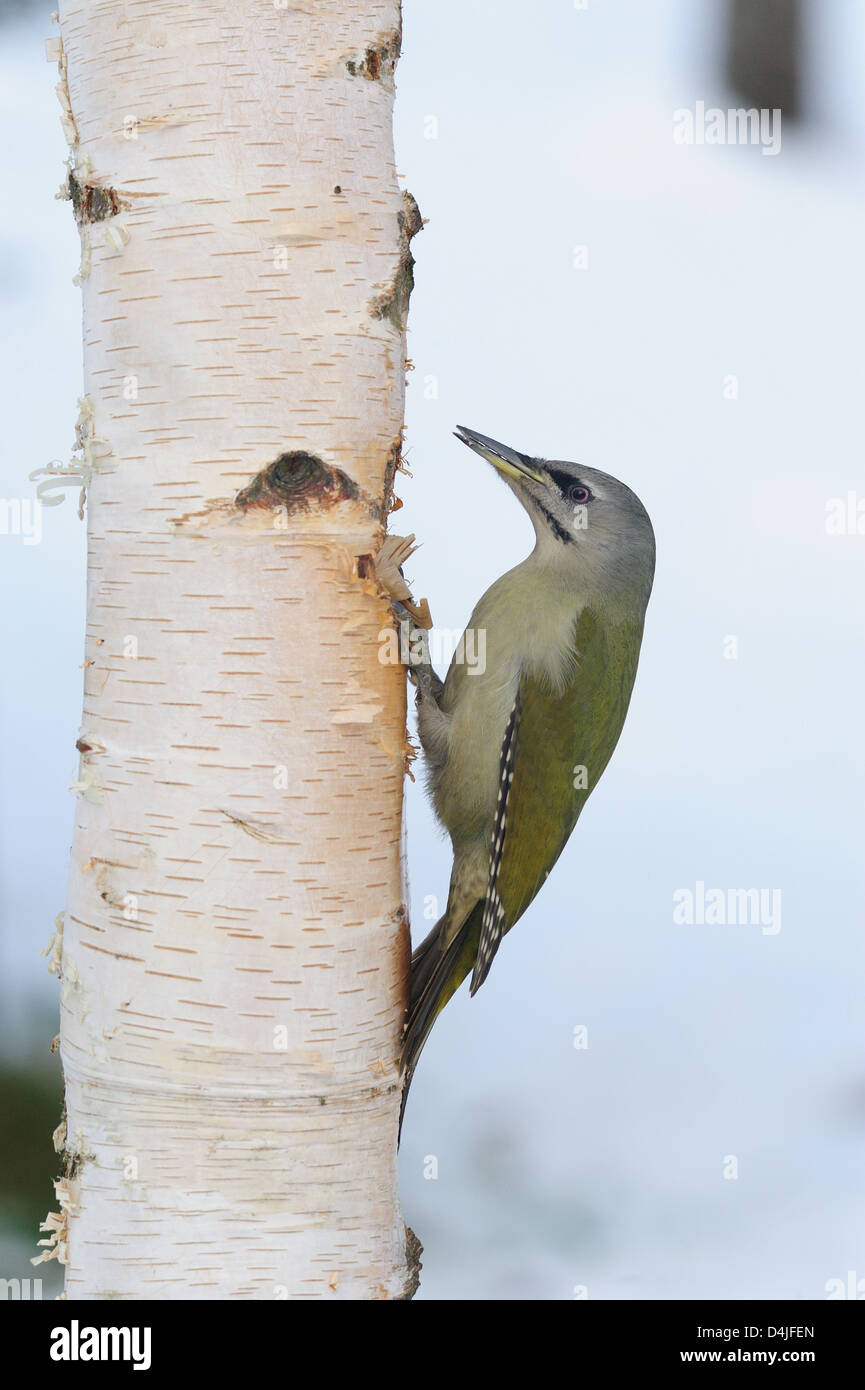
point(531, 1168)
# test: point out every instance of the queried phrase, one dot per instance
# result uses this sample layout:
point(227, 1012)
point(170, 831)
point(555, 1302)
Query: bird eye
point(578, 493)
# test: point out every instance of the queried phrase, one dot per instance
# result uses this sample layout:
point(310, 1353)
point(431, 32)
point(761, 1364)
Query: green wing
point(565, 742)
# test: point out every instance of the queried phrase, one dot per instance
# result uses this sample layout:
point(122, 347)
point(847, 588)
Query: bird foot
point(394, 553)
point(413, 619)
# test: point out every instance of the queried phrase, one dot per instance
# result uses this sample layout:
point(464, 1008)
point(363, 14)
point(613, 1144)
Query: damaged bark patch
point(297, 482)
point(414, 1264)
point(379, 60)
point(91, 202)
point(73, 1160)
point(393, 304)
point(393, 466)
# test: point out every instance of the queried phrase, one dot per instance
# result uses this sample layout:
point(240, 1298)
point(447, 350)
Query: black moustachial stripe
point(554, 524)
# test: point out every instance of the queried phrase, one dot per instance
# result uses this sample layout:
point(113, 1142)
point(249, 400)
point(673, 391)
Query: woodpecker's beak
point(506, 460)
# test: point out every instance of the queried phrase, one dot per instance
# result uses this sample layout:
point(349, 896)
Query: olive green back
point(558, 735)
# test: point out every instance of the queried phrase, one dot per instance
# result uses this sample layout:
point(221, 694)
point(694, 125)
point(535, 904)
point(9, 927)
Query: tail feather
point(424, 960)
point(436, 975)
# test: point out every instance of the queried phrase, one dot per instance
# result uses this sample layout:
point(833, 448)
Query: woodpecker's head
point(579, 514)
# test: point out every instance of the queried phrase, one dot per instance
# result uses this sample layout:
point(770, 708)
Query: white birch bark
point(234, 951)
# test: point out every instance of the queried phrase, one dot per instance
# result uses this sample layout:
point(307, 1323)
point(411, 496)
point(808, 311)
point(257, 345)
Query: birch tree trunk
point(234, 952)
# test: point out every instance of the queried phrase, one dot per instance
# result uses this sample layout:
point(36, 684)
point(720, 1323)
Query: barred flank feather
point(494, 918)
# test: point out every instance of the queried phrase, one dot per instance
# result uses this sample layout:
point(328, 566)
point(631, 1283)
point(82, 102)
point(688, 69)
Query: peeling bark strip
point(393, 466)
point(234, 953)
